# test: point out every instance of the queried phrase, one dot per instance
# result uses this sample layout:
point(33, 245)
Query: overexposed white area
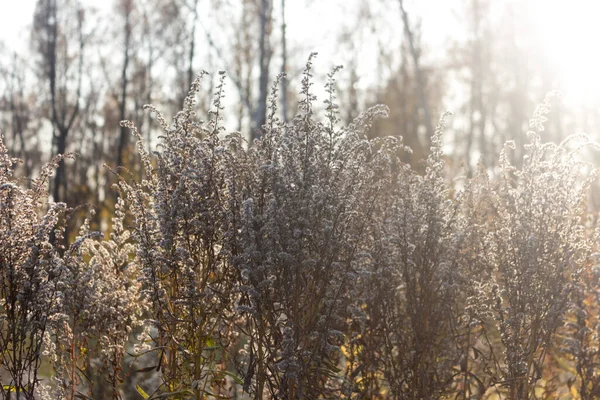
point(569, 31)
point(565, 34)
point(15, 20)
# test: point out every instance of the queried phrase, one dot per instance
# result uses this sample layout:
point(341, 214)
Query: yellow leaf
point(574, 392)
point(142, 392)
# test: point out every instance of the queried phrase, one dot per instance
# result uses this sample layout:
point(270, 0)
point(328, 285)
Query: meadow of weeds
point(312, 263)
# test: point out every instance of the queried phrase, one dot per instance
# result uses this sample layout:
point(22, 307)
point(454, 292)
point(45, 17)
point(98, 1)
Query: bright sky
point(570, 29)
point(14, 18)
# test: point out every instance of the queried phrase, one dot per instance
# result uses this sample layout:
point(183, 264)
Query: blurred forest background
point(71, 70)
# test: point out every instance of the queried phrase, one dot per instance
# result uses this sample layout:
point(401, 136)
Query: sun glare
point(569, 32)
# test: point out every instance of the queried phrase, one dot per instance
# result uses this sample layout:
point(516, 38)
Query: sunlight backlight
point(569, 33)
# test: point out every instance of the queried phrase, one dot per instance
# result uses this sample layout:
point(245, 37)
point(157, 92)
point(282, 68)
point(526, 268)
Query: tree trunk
point(260, 113)
point(124, 134)
point(192, 48)
point(418, 73)
point(284, 97)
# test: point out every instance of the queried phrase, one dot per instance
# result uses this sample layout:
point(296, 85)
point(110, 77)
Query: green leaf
point(142, 392)
point(147, 369)
point(211, 344)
